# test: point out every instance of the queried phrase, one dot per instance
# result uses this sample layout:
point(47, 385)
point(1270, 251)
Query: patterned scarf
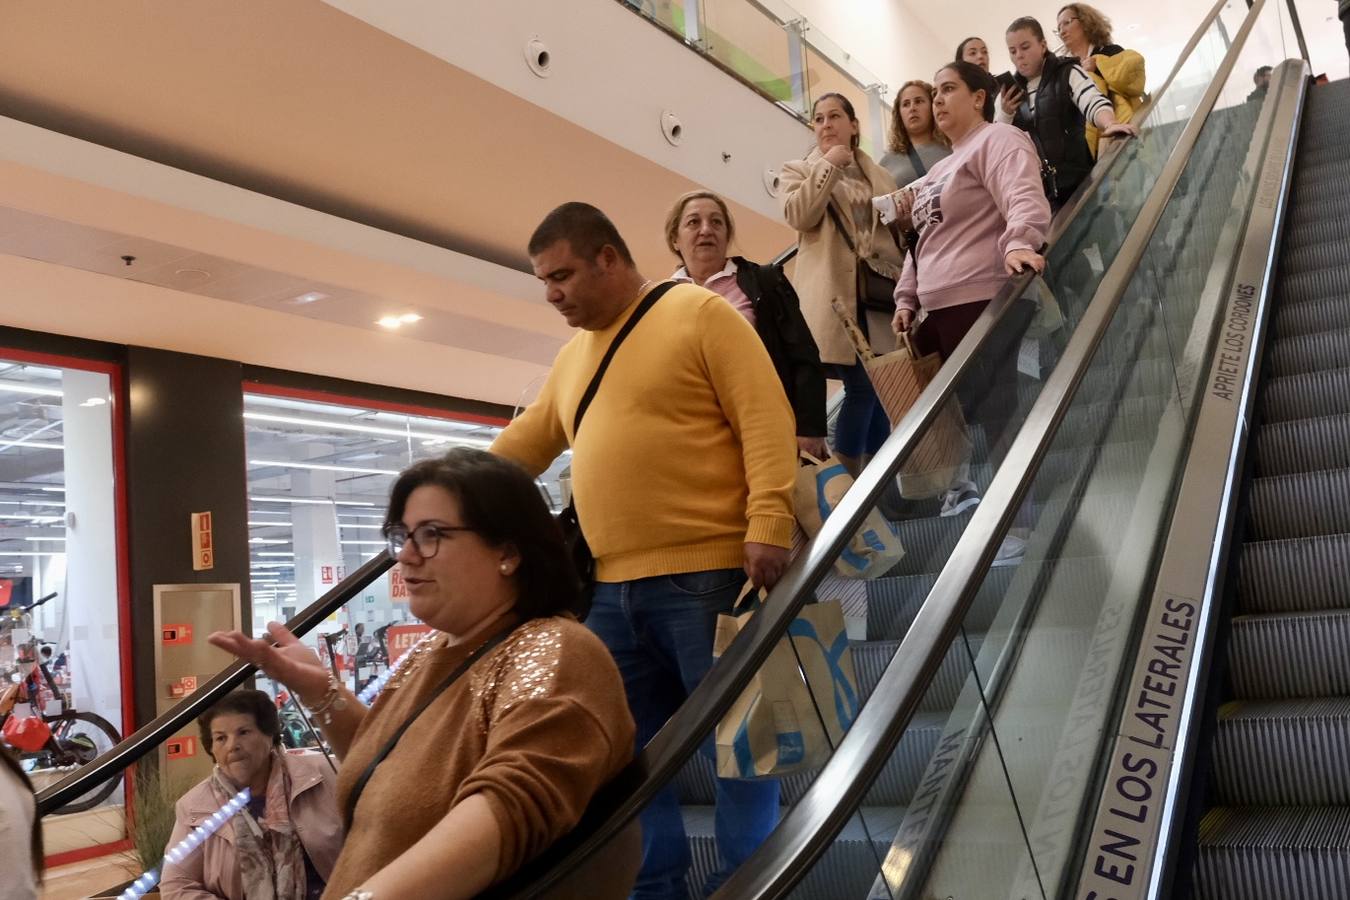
point(271, 858)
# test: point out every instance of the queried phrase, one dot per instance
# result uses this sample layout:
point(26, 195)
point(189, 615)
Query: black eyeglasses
point(426, 538)
point(1059, 29)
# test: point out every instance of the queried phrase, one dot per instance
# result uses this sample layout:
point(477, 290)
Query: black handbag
point(875, 290)
point(577, 549)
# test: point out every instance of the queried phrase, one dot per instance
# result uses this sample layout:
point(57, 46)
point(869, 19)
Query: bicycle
point(55, 742)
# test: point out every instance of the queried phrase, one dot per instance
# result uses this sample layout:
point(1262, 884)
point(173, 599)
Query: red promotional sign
point(6, 591)
point(326, 574)
point(398, 588)
point(402, 637)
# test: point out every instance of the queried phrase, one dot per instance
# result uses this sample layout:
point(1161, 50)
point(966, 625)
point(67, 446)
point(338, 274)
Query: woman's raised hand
point(287, 661)
point(839, 156)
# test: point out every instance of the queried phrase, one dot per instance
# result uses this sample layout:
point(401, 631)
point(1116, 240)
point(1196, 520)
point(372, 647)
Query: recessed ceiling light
point(392, 322)
point(308, 297)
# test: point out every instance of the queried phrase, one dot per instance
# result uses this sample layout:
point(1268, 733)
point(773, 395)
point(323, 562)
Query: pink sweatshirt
point(971, 210)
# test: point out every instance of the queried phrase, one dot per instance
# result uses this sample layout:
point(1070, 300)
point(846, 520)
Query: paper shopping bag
point(874, 548)
point(942, 456)
point(799, 704)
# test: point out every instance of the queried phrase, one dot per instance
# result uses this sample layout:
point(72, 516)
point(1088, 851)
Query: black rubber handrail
point(842, 785)
point(134, 747)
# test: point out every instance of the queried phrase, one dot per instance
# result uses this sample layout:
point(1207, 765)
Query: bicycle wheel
point(80, 738)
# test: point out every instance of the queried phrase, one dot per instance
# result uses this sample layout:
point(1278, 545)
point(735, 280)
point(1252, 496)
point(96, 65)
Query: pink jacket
point(212, 871)
point(970, 210)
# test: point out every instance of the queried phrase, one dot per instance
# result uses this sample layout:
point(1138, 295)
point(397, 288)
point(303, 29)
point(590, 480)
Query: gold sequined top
point(536, 727)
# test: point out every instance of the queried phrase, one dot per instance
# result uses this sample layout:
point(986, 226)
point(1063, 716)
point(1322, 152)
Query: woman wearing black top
point(1052, 100)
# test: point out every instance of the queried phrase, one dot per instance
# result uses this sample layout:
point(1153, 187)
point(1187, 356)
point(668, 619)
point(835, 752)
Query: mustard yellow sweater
point(686, 452)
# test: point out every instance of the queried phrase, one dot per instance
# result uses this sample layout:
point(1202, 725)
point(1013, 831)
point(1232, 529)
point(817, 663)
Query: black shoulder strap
point(388, 748)
point(647, 303)
point(839, 223)
point(916, 161)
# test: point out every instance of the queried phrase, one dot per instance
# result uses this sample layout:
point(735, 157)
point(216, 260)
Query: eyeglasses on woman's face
point(426, 538)
point(1064, 24)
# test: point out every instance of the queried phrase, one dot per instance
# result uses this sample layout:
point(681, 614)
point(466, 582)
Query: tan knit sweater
point(535, 727)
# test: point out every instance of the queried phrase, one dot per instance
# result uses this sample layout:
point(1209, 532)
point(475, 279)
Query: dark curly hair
point(501, 502)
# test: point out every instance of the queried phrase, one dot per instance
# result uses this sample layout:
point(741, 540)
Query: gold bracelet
point(331, 702)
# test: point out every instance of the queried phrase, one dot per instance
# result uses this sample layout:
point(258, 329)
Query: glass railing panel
point(1065, 624)
point(669, 14)
point(756, 46)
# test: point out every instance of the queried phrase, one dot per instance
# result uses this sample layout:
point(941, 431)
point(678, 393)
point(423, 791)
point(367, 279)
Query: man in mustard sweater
point(682, 471)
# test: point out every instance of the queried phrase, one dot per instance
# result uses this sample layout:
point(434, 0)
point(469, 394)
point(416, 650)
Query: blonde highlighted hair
point(1096, 26)
point(898, 140)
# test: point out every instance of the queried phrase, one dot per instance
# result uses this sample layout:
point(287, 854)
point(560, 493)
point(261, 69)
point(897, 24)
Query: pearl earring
point(505, 568)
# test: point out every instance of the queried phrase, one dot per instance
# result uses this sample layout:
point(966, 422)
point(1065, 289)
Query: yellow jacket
point(1121, 78)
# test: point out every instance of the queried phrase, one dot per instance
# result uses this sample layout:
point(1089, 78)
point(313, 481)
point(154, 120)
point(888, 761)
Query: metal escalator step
point(1303, 445)
point(1304, 505)
point(892, 603)
point(1314, 316)
point(1297, 575)
point(1315, 254)
point(1274, 853)
point(695, 784)
point(1289, 655)
point(1283, 752)
point(1310, 285)
point(1318, 210)
point(1330, 181)
point(1313, 231)
point(846, 870)
point(1307, 396)
point(870, 659)
point(1309, 352)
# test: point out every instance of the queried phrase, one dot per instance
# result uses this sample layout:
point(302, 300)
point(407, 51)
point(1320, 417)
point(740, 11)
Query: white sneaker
point(1010, 552)
point(962, 496)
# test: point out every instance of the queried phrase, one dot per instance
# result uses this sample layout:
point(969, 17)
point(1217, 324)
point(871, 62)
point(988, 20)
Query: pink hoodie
point(971, 210)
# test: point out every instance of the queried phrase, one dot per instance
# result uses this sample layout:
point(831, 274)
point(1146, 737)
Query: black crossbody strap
point(647, 303)
point(916, 161)
point(388, 748)
point(839, 223)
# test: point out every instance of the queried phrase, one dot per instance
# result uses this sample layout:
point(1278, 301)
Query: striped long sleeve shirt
point(1086, 97)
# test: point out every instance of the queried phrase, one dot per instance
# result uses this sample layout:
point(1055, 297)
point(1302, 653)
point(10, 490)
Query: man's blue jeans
point(660, 631)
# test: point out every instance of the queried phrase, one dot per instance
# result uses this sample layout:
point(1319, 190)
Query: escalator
point(974, 673)
point(1278, 824)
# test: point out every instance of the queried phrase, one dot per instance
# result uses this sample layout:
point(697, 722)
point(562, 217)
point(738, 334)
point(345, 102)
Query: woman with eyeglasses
point(1052, 100)
point(1118, 73)
point(496, 729)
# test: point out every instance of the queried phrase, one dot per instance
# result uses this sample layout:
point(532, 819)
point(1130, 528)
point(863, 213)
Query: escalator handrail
point(662, 757)
point(134, 747)
point(668, 749)
point(812, 824)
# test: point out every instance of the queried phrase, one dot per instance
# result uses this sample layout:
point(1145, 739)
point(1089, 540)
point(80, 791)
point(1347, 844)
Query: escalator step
point(1290, 655)
point(1316, 316)
point(695, 784)
point(1310, 285)
point(1306, 396)
point(1274, 853)
point(1305, 505)
point(892, 603)
point(1310, 352)
point(1329, 180)
point(1296, 575)
point(870, 659)
point(1283, 753)
point(1313, 231)
point(1313, 254)
point(846, 870)
point(1303, 445)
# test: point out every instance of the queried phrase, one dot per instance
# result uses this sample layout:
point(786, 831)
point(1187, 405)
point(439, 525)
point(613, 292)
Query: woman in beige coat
point(837, 177)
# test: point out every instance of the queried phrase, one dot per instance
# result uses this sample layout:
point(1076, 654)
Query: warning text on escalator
point(1127, 824)
point(1230, 361)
